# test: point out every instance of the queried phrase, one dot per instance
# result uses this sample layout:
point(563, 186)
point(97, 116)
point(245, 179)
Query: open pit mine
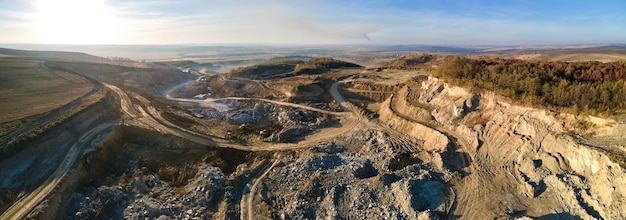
point(310, 138)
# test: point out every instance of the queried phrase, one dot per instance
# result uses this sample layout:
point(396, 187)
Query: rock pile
point(334, 182)
point(293, 123)
point(147, 196)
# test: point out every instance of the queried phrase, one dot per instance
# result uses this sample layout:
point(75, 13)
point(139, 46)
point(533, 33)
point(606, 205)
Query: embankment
point(24, 170)
point(433, 140)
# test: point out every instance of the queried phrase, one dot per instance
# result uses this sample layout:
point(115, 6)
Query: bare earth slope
point(523, 161)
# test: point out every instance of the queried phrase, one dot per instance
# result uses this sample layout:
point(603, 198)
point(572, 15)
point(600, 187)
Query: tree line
point(580, 87)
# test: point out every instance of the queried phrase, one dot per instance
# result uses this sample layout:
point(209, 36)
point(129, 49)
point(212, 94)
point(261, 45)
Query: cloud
point(333, 22)
point(367, 37)
point(17, 25)
point(240, 22)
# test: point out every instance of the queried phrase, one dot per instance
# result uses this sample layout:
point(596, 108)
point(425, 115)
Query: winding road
point(142, 114)
point(20, 208)
point(247, 195)
point(152, 119)
point(24, 205)
point(214, 103)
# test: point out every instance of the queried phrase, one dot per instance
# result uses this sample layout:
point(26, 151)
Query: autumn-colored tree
point(584, 86)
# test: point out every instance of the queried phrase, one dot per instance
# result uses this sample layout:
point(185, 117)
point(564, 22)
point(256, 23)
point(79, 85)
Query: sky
point(429, 22)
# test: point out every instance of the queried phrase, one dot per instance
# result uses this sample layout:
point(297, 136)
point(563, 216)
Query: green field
point(28, 90)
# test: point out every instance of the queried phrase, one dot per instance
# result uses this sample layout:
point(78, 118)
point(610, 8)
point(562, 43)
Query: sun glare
point(76, 21)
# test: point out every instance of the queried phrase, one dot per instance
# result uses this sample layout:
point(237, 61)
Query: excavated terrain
point(136, 175)
point(435, 151)
point(524, 161)
point(371, 173)
point(343, 144)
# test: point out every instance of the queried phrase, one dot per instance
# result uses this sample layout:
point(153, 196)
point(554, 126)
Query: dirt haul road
point(24, 205)
point(136, 115)
point(210, 102)
point(152, 119)
point(247, 195)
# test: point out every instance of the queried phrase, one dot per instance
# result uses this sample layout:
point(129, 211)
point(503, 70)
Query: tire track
point(24, 205)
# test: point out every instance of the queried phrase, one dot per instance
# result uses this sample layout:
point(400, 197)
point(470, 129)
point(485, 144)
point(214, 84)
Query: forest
point(577, 87)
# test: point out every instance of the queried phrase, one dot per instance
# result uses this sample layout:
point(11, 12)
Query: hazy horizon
point(192, 51)
point(280, 22)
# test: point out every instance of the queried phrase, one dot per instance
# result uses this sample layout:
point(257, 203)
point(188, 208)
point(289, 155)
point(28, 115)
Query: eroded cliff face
point(524, 161)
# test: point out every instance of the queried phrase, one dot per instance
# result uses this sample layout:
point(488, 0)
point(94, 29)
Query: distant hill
point(267, 69)
point(286, 68)
point(51, 55)
point(177, 63)
point(409, 62)
point(303, 58)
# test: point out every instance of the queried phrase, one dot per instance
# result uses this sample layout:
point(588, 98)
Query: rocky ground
point(408, 146)
point(436, 151)
point(371, 173)
point(142, 194)
point(264, 121)
point(428, 150)
point(526, 161)
point(361, 176)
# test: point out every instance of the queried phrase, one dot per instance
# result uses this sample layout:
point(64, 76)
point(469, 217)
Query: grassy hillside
point(30, 89)
point(50, 55)
point(153, 79)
